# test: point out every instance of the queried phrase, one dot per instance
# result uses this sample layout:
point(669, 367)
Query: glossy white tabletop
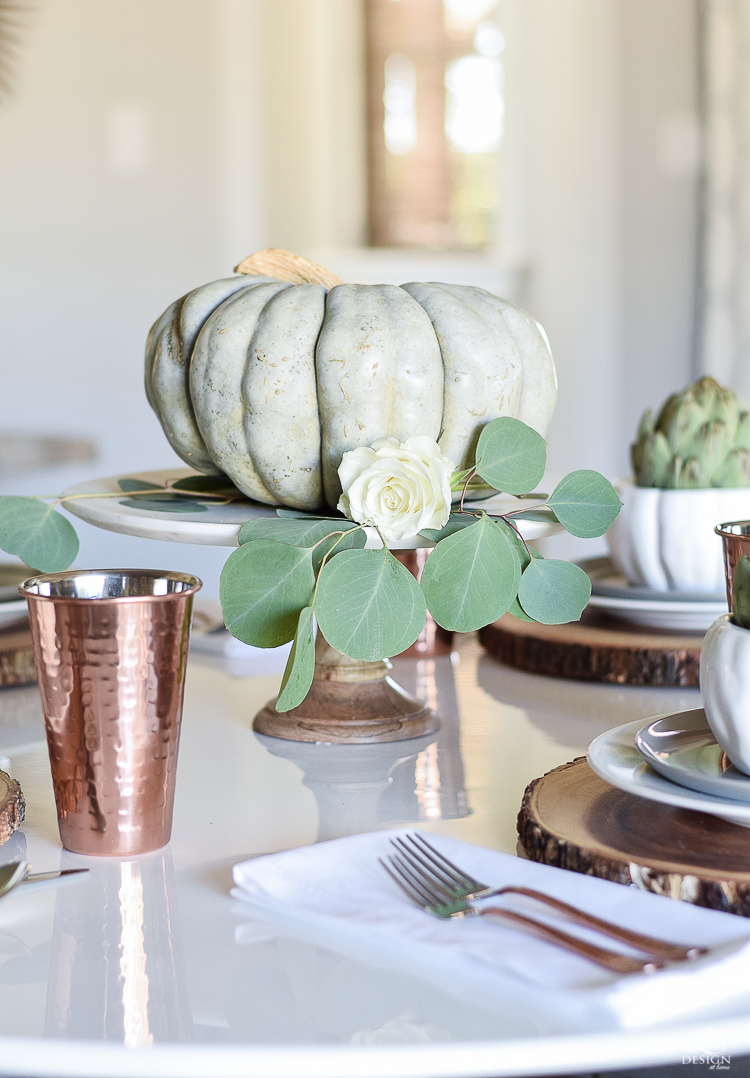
point(134, 969)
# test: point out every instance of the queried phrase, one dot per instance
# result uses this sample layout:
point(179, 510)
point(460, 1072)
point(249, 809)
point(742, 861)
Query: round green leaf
point(300, 667)
point(264, 586)
point(207, 484)
point(166, 503)
point(39, 535)
point(517, 611)
point(554, 592)
point(137, 484)
point(585, 503)
point(305, 533)
point(511, 456)
point(455, 523)
point(539, 512)
point(369, 606)
point(471, 578)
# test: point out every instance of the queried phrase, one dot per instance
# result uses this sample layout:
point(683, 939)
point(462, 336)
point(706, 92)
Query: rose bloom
point(399, 487)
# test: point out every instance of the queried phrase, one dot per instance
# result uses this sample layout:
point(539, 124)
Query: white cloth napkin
point(337, 894)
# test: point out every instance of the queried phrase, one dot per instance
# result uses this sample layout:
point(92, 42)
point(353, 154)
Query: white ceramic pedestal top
point(220, 524)
point(134, 969)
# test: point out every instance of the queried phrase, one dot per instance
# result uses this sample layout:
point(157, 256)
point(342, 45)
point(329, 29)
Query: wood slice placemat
point(16, 657)
point(573, 819)
point(596, 649)
point(12, 807)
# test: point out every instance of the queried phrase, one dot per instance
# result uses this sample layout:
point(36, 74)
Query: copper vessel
point(736, 539)
point(111, 647)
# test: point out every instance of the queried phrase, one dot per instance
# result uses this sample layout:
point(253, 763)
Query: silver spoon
point(18, 872)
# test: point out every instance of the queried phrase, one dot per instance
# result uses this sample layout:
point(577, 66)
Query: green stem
point(512, 524)
point(328, 554)
point(469, 477)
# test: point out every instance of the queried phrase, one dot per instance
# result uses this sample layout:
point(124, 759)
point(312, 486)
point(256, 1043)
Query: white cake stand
point(220, 524)
point(350, 701)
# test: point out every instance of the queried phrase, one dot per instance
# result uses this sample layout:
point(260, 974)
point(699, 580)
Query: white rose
point(399, 487)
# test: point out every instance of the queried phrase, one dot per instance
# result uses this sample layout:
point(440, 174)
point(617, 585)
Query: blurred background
point(588, 159)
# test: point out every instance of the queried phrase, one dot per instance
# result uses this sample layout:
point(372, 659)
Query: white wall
point(600, 205)
point(99, 237)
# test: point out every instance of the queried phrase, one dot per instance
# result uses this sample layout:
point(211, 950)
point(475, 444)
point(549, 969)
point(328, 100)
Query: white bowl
point(725, 688)
point(665, 539)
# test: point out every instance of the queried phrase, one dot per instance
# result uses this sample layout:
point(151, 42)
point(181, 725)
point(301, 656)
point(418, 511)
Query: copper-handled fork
point(441, 888)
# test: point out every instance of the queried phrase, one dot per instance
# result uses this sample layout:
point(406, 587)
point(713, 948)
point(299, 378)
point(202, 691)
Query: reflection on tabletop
point(116, 965)
point(572, 712)
point(362, 787)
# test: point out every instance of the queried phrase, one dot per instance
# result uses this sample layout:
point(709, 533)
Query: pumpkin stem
point(285, 266)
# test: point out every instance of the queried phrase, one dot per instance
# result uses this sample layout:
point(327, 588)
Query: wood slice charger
point(596, 648)
point(572, 819)
point(16, 657)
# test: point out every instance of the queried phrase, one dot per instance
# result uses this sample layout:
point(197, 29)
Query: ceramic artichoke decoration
point(700, 439)
point(272, 375)
point(691, 471)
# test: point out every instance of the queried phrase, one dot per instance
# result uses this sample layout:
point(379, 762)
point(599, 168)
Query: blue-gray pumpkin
point(271, 375)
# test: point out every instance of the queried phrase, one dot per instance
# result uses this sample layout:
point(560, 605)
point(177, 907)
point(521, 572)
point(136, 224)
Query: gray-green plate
point(682, 748)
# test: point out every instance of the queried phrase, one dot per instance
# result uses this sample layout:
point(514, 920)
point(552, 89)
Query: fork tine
point(412, 895)
point(415, 886)
point(459, 875)
point(422, 887)
point(426, 880)
point(434, 880)
point(452, 879)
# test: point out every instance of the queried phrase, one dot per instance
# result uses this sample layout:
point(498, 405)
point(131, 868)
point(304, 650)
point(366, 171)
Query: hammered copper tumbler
point(110, 647)
point(736, 539)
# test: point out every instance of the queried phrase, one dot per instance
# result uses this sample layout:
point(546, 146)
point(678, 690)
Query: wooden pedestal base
point(572, 819)
point(350, 702)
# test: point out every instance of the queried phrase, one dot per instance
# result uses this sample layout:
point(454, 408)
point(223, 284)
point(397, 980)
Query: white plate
point(614, 758)
point(219, 525)
point(669, 610)
point(682, 748)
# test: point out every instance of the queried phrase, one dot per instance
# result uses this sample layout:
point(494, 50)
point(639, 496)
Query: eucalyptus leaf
point(471, 578)
point(539, 512)
point(264, 586)
point(369, 606)
point(523, 550)
point(511, 456)
point(455, 523)
point(554, 592)
point(300, 667)
point(137, 484)
point(300, 514)
point(207, 484)
point(166, 503)
point(305, 533)
point(585, 503)
point(517, 611)
point(37, 533)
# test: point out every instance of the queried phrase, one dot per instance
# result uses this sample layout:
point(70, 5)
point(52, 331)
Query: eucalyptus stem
point(328, 553)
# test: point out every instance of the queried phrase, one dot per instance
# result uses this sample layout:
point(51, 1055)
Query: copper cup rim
point(725, 530)
point(193, 584)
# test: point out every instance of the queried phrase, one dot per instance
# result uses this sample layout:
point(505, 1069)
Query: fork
point(453, 881)
point(419, 881)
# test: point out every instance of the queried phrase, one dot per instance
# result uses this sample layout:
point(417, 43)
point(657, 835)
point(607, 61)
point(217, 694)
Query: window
point(435, 122)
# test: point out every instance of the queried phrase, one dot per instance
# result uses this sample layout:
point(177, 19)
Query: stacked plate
point(676, 611)
point(673, 759)
point(13, 611)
